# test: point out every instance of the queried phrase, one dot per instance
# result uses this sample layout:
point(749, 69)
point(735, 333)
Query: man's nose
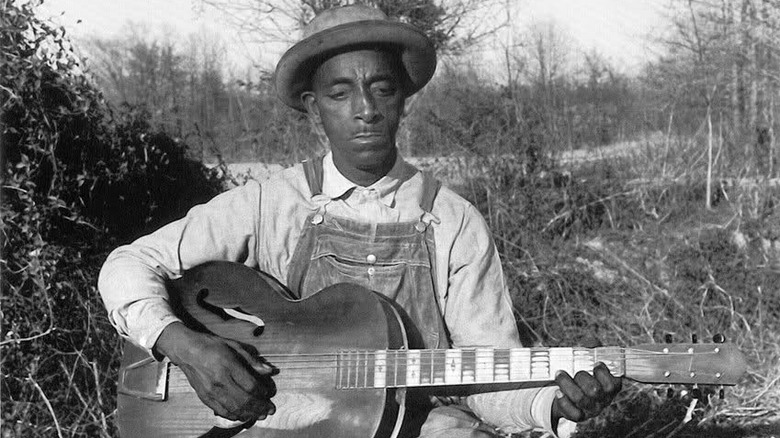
point(365, 107)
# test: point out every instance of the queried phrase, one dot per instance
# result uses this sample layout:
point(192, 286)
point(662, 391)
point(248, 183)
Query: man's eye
point(338, 92)
point(384, 90)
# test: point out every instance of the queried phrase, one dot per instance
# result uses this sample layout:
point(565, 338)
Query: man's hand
point(226, 376)
point(584, 396)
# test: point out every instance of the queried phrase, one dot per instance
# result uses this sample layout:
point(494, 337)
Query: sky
point(620, 30)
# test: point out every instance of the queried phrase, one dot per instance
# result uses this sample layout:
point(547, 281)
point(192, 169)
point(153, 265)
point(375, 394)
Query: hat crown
point(342, 15)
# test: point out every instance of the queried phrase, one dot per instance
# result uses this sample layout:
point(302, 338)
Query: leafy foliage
point(78, 178)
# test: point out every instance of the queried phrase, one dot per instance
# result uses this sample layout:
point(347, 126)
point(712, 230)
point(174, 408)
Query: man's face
point(357, 99)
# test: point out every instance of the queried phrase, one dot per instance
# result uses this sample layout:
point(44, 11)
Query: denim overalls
point(394, 259)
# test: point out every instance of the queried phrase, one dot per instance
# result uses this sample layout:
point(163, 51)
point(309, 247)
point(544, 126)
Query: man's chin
point(372, 156)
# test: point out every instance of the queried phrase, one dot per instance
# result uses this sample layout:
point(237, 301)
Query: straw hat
point(337, 29)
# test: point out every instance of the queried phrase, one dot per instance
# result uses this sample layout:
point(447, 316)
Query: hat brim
point(294, 70)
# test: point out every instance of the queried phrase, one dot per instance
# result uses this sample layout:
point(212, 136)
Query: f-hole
point(230, 313)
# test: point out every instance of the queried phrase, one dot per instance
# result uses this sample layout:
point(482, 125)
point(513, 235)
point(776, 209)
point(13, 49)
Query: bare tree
point(722, 60)
point(452, 24)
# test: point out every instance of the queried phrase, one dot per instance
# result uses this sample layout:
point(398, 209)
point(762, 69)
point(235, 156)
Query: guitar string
point(395, 360)
point(334, 364)
point(426, 355)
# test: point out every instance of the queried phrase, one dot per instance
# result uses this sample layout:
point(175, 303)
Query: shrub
point(78, 177)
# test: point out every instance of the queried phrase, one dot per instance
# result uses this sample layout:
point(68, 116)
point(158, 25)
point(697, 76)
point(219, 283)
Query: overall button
point(371, 259)
point(371, 271)
point(317, 219)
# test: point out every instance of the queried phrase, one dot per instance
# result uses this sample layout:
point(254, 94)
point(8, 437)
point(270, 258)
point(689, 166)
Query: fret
point(483, 364)
point(413, 367)
point(393, 363)
point(501, 365)
point(561, 358)
point(365, 370)
point(340, 370)
point(613, 357)
point(453, 370)
point(540, 364)
point(349, 368)
point(380, 369)
point(426, 362)
point(439, 366)
point(468, 363)
point(428, 378)
point(583, 360)
point(519, 364)
point(400, 368)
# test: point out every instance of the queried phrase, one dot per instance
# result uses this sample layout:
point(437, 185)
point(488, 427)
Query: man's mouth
point(368, 135)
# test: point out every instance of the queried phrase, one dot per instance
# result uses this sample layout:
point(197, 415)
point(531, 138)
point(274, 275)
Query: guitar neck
point(414, 368)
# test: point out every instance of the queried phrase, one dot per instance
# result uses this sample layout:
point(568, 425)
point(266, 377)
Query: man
point(360, 214)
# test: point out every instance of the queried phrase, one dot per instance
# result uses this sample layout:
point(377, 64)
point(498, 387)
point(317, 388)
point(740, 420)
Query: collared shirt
point(473, 298)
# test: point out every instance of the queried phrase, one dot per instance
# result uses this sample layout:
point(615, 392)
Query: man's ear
point(310, 103)
point(309, 100)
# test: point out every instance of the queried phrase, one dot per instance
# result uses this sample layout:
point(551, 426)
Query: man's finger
point(252, 358)
point(570, 389)
point(567, 408)
point(610, 385)
point(247, 382)
point(590, 387)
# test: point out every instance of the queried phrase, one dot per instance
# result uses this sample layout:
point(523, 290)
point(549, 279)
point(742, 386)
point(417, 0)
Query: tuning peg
point(694, 338)
point(668, 338)
point(721, 392)
point(718, 338)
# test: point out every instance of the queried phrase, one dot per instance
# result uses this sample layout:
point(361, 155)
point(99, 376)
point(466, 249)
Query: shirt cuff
point(144, 321)
point(541, 412)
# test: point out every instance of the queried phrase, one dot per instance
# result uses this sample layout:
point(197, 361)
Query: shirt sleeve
point(479, 312)
point(132, 280)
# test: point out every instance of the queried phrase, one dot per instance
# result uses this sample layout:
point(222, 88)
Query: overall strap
point(431, 188)
point(313, 171)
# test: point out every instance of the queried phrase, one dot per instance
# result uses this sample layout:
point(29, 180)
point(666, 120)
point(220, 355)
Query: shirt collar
point(335, 185)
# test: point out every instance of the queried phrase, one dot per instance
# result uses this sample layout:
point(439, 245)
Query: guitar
point(345, 363)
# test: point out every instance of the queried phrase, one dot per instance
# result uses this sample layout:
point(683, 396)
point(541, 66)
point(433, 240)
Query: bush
point(78, 178)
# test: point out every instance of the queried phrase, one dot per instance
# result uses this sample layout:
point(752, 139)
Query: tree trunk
point(708, 202)
point(753, 63)
point(732, 29)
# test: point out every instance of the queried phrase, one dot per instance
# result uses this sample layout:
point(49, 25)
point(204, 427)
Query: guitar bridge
point(146, 379)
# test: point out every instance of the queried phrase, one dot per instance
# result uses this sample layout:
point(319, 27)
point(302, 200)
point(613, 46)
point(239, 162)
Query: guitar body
point(155, 399)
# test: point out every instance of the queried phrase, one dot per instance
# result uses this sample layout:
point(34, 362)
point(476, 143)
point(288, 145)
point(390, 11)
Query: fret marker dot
point(693, 374)
point(667, 374)
point(666, 351)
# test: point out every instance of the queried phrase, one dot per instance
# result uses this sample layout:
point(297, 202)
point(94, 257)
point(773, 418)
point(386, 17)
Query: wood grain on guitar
point(343, 358)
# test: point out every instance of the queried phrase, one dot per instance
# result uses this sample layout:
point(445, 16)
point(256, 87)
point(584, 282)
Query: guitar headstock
point(704, 364)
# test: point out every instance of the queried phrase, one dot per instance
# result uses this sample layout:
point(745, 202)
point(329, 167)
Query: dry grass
point(590, 252)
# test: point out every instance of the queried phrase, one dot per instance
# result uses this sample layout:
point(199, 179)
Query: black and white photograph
point(390, 218)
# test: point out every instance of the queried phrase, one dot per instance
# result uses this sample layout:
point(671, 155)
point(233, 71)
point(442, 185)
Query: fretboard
point(410, 368)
